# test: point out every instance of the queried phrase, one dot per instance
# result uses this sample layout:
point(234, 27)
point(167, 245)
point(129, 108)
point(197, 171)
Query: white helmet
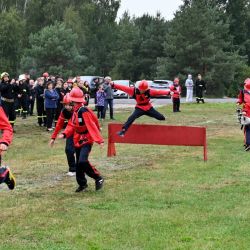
point(21, 77)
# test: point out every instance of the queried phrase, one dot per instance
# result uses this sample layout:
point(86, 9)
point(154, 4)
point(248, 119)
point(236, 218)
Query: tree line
point(84, 37)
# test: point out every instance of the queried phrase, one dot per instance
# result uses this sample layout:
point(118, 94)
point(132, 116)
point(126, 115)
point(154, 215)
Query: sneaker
point(99, 184)
point(81, 188)
point(71, 173)
point(49, 129)
point(10, 180)
point(247, 148)
point(121, 133)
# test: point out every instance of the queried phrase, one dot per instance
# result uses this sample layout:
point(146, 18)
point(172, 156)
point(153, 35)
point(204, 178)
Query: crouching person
point(7, 134)
point(85, 129)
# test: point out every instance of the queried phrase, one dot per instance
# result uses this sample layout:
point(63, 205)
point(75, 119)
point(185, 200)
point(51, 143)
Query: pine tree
point(198, 41)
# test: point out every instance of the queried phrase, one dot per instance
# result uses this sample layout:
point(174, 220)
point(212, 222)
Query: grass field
point(155, 197)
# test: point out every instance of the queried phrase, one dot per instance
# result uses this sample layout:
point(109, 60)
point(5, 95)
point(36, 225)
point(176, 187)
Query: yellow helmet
point(4, 74)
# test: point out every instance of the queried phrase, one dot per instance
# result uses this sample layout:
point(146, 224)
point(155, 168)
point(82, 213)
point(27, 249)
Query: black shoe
point(121, 133)
point(10, 180)
point(81, 188)
point(99, 184)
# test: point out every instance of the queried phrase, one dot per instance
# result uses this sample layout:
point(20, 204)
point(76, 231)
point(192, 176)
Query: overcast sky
point(140, 7)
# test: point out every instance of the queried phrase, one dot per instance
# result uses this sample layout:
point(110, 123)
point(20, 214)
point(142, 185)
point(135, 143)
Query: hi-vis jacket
point(84, 127)
point(142, 100)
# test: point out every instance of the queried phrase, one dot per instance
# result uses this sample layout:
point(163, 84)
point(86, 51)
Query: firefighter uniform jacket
point(63, 119)
point(142, 99)
point(8, 91)
point(84, 127)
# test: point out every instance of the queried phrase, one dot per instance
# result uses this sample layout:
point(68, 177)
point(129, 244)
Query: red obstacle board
point(158, 135)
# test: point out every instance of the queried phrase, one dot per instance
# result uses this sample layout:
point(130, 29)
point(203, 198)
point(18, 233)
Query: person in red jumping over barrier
point(7, 134)
point(244, 99)
point(84, 127)
point(143, 106)
point(64, 117)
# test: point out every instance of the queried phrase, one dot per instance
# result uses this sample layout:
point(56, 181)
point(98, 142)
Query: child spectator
point(176, 93)
point(100, 102)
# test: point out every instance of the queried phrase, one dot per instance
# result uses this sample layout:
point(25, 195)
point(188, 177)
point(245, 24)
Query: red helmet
point(247, 84)
point(76, 95)
point(143, 85)
point(66, 99)
point(176, 80)
point(45, 74)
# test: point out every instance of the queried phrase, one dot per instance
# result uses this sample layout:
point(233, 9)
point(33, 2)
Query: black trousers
point(109, 102)
point(31, 106)
point(70, 153)
point(9, 109)
point(100, 112)
point(83, 165)
point(139, 112)
point(41, 114)
point(176, 104)
point(50, 112)
point(24, 105)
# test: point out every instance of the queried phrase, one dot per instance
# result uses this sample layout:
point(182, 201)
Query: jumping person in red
point(7, 135)
point(143, 106)
point(62, 121)
point(85, 129)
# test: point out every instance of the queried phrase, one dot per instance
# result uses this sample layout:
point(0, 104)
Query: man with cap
point(143, 106)
point(8, 90)
point(23, 95)
point(85, 129)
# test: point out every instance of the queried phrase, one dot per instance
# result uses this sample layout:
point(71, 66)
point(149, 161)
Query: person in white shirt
point(189, 84)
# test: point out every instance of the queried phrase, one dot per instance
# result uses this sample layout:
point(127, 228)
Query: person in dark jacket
point(8, 90)
point(200, 87)
point(109, 97)
point(41, 114)
point(59, 105)
point(32, 96)
point(23, 95)
point(51, 98)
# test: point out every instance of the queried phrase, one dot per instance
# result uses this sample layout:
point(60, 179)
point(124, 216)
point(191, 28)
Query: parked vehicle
point(119, 93)
point(162, 84)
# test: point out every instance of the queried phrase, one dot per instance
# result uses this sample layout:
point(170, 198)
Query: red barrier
point(159, 135)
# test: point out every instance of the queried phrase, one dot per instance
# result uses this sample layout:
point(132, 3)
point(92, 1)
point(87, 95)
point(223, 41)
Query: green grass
point(155, 197)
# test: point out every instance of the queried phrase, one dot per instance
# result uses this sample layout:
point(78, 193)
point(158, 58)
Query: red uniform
point(244, 98)
point(85, 129)
point(142, 100)
point(7, 136)
point(5, 126)
point(143, 106)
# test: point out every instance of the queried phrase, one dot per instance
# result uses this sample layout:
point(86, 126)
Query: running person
point(5, 174)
